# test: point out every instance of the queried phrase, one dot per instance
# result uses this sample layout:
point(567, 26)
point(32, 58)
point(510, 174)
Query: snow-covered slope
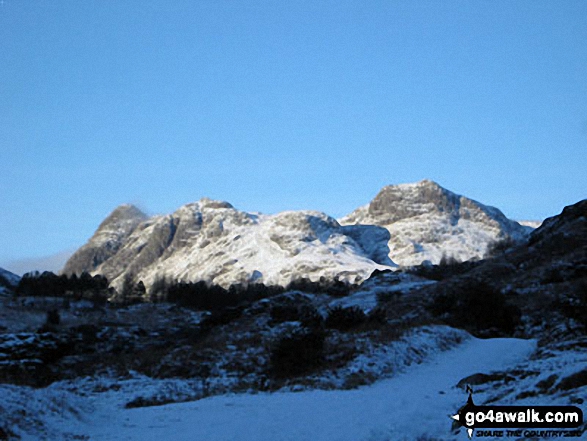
point(8, 277)
point(425, 221)
point(533, 224)
point(210, 240)
point(410, 406)
point(8, 281)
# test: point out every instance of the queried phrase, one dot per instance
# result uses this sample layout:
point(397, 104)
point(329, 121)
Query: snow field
point(415, 403)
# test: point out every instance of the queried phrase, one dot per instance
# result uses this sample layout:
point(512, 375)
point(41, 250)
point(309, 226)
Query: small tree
point(140, 289)
point(127, 286)
point(158, 290)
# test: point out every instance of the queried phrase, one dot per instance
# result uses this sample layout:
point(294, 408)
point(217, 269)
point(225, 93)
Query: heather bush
point(297, 353)
point(344, 319)
point(477, 307)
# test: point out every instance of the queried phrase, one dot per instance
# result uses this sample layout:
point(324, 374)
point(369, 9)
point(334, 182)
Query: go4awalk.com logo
point(519, 421)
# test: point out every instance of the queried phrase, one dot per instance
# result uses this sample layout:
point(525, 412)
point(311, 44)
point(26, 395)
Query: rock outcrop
point(426, 221)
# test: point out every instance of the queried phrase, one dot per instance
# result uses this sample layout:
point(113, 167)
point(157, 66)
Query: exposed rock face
point(212, 241)
point(425, 221)
point(106, 241)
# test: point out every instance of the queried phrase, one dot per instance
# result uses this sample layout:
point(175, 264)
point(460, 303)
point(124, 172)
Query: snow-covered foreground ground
point(415, 403)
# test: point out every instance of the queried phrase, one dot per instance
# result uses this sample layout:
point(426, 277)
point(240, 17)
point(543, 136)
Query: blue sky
point(283, 105)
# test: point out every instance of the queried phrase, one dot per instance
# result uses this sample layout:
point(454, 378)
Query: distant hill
point(53, 263)
point(8, 281)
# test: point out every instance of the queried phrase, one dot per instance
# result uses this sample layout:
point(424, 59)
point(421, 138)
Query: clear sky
point(275, 105)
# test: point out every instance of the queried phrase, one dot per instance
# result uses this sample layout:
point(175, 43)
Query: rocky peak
point(427, 221)
point(207, 203)
point(123, 214)
point(397, 202)
point(107, 239)
point(210, 240)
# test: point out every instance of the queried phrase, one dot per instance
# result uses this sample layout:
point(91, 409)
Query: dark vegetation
point(28, 358)
point(86, 340)
point(7, 434)
point(297, 353)
point(148, 402)
point(335, 288)
point(500, 247)
point(344, 319)
point(574, 305)
point(209, 297)
point(195, 295)
point(47, 284)
point(53, 317)
point(306, 314)
point(447, 267)
point(4, 282)
point(303, 350)
point(201, 296)
point(131, 293)
point(477, 307)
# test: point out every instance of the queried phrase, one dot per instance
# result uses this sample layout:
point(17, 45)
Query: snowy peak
point(122, 215)
point(211, 240)
point(530, 224)
point(207, 203)
point(106, 240)
point(400, 202)
point(404, 201)
point(427, 221)
point(149, 240)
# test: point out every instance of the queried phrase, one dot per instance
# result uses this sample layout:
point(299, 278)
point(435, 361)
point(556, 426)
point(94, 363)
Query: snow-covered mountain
point(212, 241)
point(530, 223)
point(107, 240)
point(426, 221)
point(195, 365)
point(8, 281)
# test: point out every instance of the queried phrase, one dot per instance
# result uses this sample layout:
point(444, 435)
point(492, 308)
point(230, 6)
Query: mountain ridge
point(211, 240)
point(421, 215)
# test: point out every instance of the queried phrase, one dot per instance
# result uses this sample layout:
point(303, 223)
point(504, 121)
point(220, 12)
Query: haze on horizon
point(277, 107)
